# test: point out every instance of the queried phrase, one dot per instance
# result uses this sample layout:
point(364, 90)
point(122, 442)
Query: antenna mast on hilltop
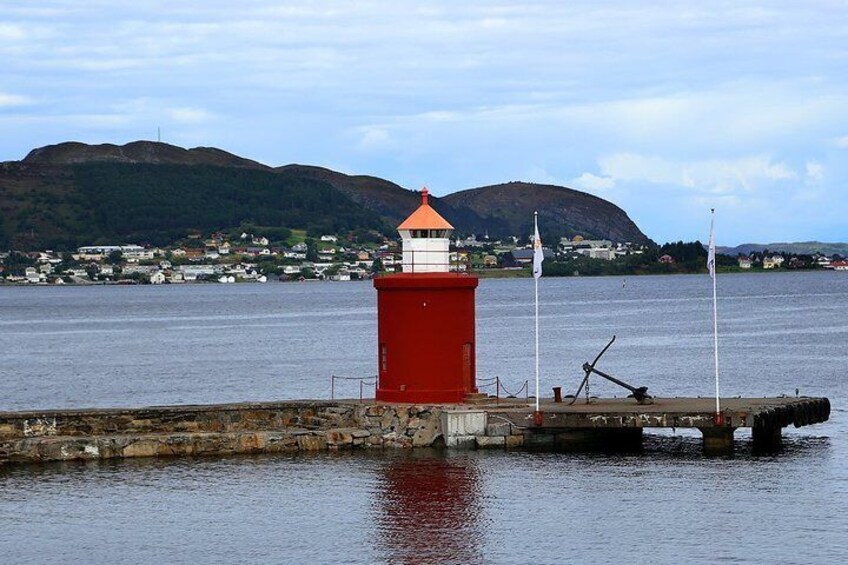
point(158, 134)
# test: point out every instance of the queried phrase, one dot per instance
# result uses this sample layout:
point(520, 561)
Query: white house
point(292, 254)
point(772, 262)
point(33, 276)
point(191, 272)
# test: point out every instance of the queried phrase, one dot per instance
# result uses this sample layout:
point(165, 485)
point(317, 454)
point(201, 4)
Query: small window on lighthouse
point(384, 365)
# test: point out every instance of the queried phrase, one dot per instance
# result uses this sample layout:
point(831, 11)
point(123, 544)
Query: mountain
point(395, 203)
point(75, 195)
point(147, 152)
point(506, 209)
point(71, 194)
point(388, 199)
point(797, 248)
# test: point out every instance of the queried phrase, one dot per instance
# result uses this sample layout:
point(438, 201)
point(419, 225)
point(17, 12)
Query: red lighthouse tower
point(425, 318)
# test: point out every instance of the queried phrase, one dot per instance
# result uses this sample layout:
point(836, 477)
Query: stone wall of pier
point(60, 435)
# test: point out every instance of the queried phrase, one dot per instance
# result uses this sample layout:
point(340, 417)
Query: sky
point(667, 109)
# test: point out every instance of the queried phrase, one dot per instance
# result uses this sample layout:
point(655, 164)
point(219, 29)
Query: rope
point(487, 382)
point(351, 378)
point(511, 395)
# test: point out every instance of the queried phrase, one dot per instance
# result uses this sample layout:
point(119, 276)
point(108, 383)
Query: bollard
point(557, 394)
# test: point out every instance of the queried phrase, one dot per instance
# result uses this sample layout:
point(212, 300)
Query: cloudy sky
point(665, 108)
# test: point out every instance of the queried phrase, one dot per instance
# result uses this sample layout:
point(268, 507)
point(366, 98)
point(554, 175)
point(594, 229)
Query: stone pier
point(309, 425)
point(268, 427)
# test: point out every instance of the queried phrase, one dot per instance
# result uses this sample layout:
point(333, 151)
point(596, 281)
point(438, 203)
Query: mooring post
point(557, 394)
point(718, 440)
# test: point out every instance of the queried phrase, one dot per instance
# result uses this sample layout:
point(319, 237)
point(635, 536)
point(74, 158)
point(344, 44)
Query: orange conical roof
point(425, 217)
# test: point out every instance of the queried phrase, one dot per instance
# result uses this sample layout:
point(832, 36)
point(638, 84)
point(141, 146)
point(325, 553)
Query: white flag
point(538, 256)
point(711, 253)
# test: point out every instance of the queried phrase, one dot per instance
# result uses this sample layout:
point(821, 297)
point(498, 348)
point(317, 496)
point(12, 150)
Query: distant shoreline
point(489, 274)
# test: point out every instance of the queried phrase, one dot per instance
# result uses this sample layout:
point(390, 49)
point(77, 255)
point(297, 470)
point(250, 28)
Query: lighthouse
point(425, 318)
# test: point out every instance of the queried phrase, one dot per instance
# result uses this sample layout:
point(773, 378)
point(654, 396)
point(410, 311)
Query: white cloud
point(441, 116)
point(716, 176)
point(842, 142)
point(96, 121)
point(14, 100)
point(135, 106)
point(815, 171)
point(540, 175)
point(12, 32)
point(189, 115)
point(593, 183)
point(374, 138)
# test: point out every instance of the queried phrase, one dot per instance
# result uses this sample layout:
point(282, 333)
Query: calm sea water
point(132, 346)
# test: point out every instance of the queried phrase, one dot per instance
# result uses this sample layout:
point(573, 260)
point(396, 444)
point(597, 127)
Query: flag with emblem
point(711, 252)
point(538, 256)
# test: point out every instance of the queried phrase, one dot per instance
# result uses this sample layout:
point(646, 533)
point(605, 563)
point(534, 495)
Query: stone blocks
point(243, 428)
point(461, 427)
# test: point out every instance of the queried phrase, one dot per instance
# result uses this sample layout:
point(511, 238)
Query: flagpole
point(536, 286)
point(715, 312)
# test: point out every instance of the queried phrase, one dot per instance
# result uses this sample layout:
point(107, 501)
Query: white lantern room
point(426, 240)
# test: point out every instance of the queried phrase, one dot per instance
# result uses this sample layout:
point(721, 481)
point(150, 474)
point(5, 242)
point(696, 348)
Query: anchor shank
point(632, 389)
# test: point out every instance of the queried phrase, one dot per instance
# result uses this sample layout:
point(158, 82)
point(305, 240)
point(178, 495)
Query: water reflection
point(428, 509)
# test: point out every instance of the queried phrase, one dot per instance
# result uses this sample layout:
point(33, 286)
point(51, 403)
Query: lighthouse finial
point(425, 195)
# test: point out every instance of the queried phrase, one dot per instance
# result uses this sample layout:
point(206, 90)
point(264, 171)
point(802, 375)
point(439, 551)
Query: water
point(111, 346)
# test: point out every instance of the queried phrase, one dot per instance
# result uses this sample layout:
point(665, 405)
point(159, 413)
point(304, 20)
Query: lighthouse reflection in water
point(428, 509)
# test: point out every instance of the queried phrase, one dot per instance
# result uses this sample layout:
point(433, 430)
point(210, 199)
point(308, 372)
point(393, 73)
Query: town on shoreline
point(295, 255)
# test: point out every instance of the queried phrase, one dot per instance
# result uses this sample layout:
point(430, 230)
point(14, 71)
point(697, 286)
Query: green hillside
point(109, 202)
point(70, 194)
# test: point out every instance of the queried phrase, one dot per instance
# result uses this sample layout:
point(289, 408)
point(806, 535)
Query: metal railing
point(363, 382)
point(496, 382)
point(421, 261)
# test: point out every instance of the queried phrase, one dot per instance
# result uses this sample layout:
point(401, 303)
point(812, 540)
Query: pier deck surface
point(605, 422)
point(668, 412)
